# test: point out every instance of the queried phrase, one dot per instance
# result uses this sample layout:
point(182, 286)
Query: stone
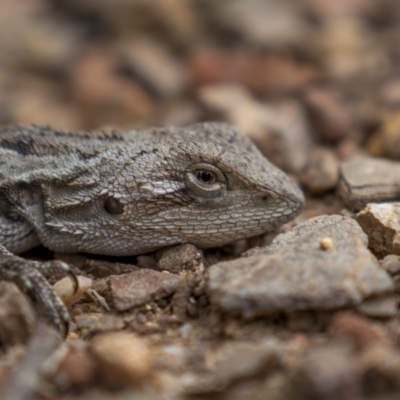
point(328, 372)
point(17, 316)
point(328, 115)
point(140, 287)
point(381, 307)
point(154, 66)
point(180, 258)
point(279, 130)
point(386, 142)
point(381, 222)
point(77, 369)
point(366, 180)
point(294, 273)
point(123, 357)
point(232, 362)
point(359, 330)
point(322, 171)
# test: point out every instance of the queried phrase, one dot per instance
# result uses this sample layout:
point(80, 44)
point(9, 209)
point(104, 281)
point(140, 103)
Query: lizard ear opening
point(113, 206)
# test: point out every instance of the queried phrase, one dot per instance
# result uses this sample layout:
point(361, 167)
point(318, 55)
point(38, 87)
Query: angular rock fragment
point(140, 287)
point(295, 273)
point(381, 222)
point(367, 180)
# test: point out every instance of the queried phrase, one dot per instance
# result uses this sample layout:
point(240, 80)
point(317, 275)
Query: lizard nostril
point(263, 198)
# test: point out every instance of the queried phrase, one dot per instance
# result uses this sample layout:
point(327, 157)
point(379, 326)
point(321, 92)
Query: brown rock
point(380, 364)
point(367, 180)
point(279, 130)
point(322, 171)
point(123, 357)
point(381, 222)
point(232, 362)
point(78, 369)
point(329, 116)
point(17, 316)
point(328, 372)
point(140, 287)
point(105, 95)
point(180, 258)
point(294, 273)
point(359, 330)
point(154, 66)
point(386, 142)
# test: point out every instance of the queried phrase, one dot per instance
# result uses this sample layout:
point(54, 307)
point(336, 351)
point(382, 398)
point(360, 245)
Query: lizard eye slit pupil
point(205, 176)
point(113, 207)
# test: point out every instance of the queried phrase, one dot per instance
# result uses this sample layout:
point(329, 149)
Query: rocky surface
point(310, 311)
point(296, 273)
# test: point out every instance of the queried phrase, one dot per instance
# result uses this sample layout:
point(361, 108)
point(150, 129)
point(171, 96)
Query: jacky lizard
point(127, 193)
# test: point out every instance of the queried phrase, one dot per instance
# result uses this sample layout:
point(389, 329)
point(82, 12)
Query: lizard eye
point(205, 176)
point(205, 180)
point(113, 206)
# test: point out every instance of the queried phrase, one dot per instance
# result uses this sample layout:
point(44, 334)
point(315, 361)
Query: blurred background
point(292, 74)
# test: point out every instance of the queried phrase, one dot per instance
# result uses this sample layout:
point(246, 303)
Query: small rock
point(279, 130)
point(140, 287)
point(17, 316)
point(367, 180)
point(381, 222)
point(391, 264)
point(329, 117)
point(356, 328)
point(386, 142)
point(123, 357)
point(77, 370)
point(327, 372)
point(380, 307)
point(294, 273)
point(380, 364)
point(154, 66)
point(231, 362)
point(322, 171)
point(180, 258)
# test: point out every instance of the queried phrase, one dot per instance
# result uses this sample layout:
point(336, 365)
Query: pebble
point(180, 258)
point(322, 171)
point(17, 316)
point(330, 118)
point(381, 222)
point(123, 357)
point(140, 287)
point(294, 273)
point(366, 180)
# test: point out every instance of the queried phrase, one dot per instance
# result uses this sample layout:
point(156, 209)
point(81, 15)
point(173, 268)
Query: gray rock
point(368, 180)
point(297, 273)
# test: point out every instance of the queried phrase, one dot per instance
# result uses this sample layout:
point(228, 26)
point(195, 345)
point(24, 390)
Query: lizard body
point(127, 193)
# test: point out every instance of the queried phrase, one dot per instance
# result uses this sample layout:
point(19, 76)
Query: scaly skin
point(127, 193)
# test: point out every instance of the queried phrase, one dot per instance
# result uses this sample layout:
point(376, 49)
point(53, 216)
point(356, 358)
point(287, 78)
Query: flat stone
point(296, 273)
point(366, 180)
point(140, 287)
point(381, 222)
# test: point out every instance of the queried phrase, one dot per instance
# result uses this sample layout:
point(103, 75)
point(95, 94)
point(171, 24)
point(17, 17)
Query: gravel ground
point(310, 311)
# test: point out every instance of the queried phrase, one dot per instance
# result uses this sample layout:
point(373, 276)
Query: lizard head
point(206, 184)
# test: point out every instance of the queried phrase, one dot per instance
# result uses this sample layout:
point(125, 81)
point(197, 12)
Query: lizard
point(121, 193)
